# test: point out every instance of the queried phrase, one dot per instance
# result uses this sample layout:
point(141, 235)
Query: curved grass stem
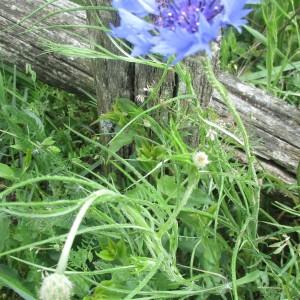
point(217, 85)
point(254, 198)
point(64, 257)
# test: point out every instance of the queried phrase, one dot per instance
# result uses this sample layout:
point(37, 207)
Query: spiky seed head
point(56, 287)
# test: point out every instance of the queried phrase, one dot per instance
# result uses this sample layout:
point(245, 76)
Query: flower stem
point(217, 85)
point(255, 201)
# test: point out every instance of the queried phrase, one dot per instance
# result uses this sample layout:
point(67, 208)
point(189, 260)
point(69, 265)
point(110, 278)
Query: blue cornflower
point(176, 27)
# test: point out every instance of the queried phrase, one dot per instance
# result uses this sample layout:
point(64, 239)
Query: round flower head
point(176, 27)
point(200, 159)
point(56, 287)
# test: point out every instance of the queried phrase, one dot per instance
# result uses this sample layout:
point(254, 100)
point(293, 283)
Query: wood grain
point(272, 124)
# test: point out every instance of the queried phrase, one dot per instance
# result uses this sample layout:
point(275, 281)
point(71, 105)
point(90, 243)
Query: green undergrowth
point(267, 53)
point(168, 231)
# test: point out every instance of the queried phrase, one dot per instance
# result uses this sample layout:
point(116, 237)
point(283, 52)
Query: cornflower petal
point(235, 13)
point(183, 43)
point(138, 7)
point(136, 31)
point(177, 27)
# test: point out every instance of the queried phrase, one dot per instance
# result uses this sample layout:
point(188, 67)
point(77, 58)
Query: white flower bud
point(147, 123)
point(211, 134)
point(200, 159)
point(56, 287)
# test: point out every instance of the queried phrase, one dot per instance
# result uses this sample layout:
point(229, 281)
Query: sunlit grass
point(168, 230)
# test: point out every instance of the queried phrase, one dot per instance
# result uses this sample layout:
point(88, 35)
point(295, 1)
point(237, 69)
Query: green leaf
point(27, 160)
point(261, 38)
point(123, 139)
point(250, 277)
point(101, 293)
point(48, 141)
point(7, 172)
point(11, 280)
point(4, 229)
point(263, 73)
point(126, 105)
point(167, 186)
point(54, 149)
point(106, 255)
point(199, 198)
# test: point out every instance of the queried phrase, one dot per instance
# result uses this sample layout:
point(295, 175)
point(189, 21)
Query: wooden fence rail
point(273, 125)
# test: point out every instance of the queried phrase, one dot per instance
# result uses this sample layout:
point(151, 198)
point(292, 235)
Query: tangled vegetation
point(165, 220)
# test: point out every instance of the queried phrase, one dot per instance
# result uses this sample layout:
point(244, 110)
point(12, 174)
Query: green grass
point(171, 232)
point(167, 230)
point(268, 53)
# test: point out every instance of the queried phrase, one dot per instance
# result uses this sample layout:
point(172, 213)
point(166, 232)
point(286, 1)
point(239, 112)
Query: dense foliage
point(170, 229)
point(267, 53)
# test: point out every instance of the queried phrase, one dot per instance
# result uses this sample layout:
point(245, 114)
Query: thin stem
point(63, 260)
point(255, 201)
point(250, 157)
point(234, 259)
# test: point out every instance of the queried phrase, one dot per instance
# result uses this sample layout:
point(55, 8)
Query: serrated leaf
point(199, 198)
point(48, 141)
point(106, 255)
point(54, 149)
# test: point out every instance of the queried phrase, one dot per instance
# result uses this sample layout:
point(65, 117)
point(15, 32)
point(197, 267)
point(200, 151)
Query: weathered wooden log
point(273, 125)
point(112, 78)
point(20, 47)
